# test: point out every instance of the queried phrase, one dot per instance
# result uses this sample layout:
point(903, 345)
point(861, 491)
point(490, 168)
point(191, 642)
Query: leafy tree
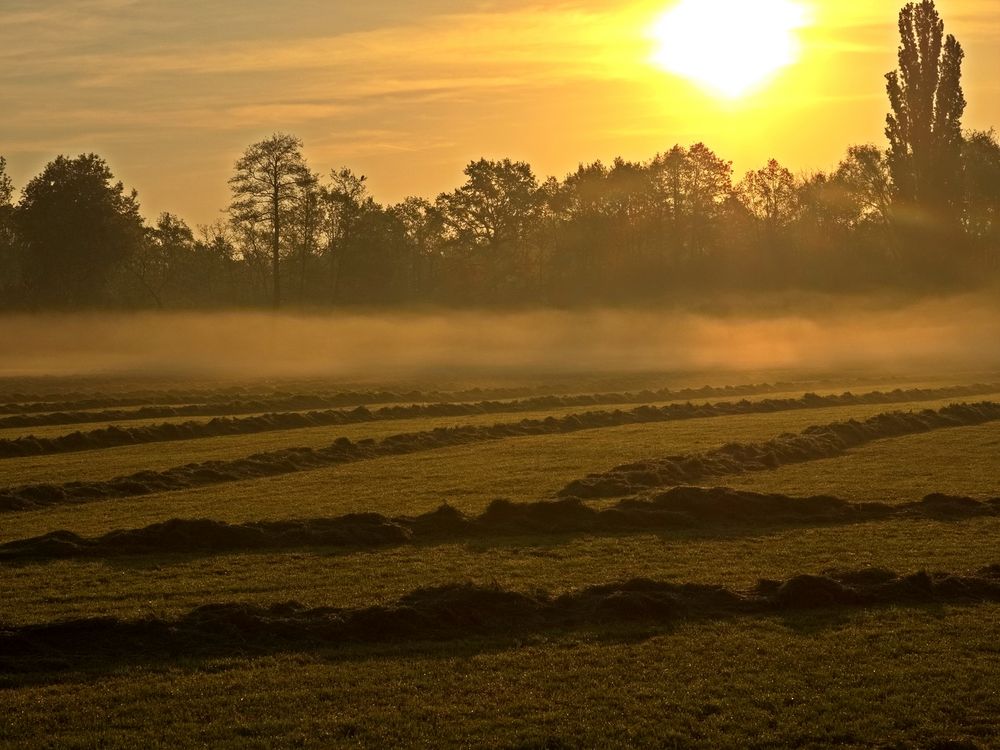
point(6, 186)
point(221, 276)
point(304, 232)
point(8, 261)
point(495, 206)
point(76, 226)
point(865, 183)
point(160, 263)
point(268, 182)
point(490, 220)
point(345, 201)
point(377, 268)
point(422, 232)
point(981, 214)
point(924, 127)
point(770, 195)
point(692, 186)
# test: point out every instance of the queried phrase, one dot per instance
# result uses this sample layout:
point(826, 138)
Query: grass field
point(913, 670)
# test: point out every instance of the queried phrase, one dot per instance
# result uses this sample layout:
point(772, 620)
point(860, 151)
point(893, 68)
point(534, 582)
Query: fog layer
point(932, 337)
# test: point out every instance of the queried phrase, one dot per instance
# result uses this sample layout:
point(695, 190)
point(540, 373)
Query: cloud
point(415, 89)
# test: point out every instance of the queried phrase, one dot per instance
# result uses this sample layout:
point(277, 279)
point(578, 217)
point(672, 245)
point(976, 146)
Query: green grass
point(469, 477)
point(886, 678)
point(889, 677)
point(169, 585)
point(12, 433)
point(107, 463)
point(111, 462)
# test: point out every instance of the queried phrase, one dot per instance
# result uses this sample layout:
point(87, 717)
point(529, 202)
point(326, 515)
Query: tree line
point(921, 214)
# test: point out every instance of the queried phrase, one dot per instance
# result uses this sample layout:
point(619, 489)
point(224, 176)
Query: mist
point(939, 336)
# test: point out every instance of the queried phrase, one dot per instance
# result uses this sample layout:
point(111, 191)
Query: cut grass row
point(117, 436)
point(227, 398)
point(736, 554)
point(457, 611)
point(794, 679)
point(129, 459)
point(168, 585)
point(525, 469)
point(58, 430)
point(814, 443)
point(48, 413)
point(677, 508)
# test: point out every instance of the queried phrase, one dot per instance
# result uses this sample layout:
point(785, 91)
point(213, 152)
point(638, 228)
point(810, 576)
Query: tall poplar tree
point(924, 127)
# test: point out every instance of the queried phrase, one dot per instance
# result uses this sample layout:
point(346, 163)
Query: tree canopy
point(922, 212)
point(76, 225)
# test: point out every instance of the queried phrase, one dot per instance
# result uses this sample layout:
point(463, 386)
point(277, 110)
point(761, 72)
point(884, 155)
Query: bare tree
point(269, 179)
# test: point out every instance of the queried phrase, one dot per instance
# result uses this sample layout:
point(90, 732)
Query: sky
point(171, 92)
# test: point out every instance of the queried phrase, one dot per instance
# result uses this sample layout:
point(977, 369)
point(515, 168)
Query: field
point(553, 566)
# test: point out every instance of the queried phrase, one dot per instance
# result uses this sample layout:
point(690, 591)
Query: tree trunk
point(276, 247)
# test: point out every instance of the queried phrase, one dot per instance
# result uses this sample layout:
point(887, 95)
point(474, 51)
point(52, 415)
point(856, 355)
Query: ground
point(887, 670)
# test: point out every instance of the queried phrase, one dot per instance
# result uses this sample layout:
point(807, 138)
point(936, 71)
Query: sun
point(729, 47)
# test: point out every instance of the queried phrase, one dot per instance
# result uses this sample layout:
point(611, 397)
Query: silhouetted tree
point(691, 186)
point(268, 182)
point(769, 194)
point(422, 232)
point(866, 185)
point(8, 260)
point(981, 209)
point(304, 232)
point(583, 234)
point(75, 226)
point(861, 191)
point(222, 277)
point(345, 200)
point(161, 261)
point(924, 127)
point(490, 219)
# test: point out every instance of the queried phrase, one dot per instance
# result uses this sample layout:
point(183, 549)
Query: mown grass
point(167, 585)
point(732, 555)
point(110, 462)
point(890, 677)
point(469, 477)
point(56, 430)
point(960, 462)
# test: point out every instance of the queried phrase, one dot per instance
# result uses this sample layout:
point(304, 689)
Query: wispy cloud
point(409, 89)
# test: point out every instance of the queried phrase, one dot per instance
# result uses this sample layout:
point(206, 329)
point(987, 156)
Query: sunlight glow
point(729, 47)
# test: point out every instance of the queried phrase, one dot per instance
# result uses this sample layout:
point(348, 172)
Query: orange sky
point(408, 92)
